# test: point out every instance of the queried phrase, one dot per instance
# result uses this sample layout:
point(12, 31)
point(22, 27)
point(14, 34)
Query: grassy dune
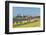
point(32, 23)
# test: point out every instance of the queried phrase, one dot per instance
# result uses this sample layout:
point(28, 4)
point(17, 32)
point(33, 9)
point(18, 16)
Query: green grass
point(28, 24)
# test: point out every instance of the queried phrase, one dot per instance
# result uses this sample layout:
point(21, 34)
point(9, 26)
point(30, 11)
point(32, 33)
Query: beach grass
point(35, 23)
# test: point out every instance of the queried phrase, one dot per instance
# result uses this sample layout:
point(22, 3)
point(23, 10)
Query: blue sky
point(27, 11)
